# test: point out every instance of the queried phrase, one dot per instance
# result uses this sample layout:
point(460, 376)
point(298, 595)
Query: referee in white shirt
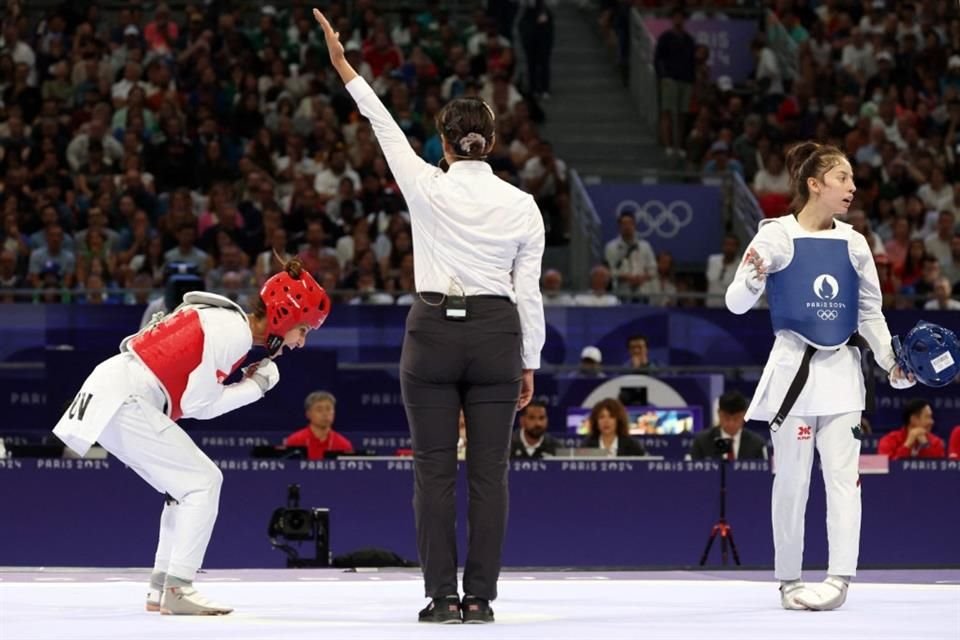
point(473, 336)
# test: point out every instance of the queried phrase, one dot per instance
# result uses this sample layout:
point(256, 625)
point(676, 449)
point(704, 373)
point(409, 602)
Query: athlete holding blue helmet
point(930, 353)
point(824, 296)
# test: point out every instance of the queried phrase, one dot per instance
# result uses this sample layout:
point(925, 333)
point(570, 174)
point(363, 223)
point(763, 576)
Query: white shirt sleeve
point(406, 165)
point(775, 248)
point(227, 340)
point(872, 326)
point(849, 56)
point(77, 151)
point(648, 260)
point(612, 254)
point(532, 170)
point(714, 267)
point(526, 283)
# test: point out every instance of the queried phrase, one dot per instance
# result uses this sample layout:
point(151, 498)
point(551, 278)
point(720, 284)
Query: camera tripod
point(722, 528)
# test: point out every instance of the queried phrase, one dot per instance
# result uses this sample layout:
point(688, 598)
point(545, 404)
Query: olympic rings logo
point(655, 217)
point(827, 314)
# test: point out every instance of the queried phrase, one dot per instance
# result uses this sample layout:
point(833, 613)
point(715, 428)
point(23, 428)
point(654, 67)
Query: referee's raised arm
point(402, 159)
point(473, 335)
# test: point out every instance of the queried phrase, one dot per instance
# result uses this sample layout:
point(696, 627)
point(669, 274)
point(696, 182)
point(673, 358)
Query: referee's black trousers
point(474, 364)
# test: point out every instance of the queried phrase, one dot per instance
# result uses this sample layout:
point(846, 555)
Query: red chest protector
point(171, 349)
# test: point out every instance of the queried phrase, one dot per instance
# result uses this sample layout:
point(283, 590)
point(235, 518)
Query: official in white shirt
point(473, 337)
point(721, 269)
point(631, 259)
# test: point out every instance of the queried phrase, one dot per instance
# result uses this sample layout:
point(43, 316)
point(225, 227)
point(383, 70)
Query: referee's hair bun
point(467, 124)
point(471, 141)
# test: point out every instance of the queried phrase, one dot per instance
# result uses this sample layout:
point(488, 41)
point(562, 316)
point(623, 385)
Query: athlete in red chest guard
point(175, 368)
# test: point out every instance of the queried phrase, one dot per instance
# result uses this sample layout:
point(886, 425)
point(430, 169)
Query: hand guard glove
point(265, 373)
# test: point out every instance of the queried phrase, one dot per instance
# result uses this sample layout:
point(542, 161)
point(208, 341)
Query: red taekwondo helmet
point(292, 301)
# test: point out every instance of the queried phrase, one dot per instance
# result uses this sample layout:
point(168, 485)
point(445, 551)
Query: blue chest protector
point(817, 295)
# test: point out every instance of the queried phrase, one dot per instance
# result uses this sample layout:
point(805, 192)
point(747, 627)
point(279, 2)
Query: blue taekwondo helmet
point(930, 352)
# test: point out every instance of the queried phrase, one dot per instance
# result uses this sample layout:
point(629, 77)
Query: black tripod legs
point(725, 531)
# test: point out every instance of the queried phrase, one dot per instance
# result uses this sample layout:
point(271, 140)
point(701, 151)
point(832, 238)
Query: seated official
point(591, 361)
point(639, 351)
point(609, 430)
point(744, 444)
point(914, 439)
point(318, 436)
point(532, 441)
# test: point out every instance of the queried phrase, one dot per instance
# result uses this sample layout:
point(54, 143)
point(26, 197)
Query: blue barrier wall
point(562, 513)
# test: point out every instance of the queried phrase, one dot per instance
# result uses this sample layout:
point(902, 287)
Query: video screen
point(644, 420)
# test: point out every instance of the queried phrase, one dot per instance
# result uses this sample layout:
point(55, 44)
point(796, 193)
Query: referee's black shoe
point(442, 611)
point(476, 610)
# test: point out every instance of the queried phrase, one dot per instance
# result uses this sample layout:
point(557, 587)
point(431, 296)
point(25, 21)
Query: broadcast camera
point(293, 524)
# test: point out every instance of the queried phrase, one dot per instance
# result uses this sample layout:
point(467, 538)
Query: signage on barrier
point(685, 220)
point(727, 41)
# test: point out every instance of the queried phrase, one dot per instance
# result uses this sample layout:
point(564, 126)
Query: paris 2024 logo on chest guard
point(826, 289)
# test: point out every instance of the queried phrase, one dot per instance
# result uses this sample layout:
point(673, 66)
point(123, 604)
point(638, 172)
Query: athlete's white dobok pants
point(838, 443)
point(160, 452)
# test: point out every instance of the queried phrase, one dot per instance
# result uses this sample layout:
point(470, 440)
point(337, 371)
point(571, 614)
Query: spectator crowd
point(135, 138)
point(879, 79)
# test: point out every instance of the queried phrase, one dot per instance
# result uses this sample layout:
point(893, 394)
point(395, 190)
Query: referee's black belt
point(803, 372)
point(436, 296)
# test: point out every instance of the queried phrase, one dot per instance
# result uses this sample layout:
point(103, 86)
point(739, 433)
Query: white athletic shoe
point(187, 601)
point(829, 594)
point(789, 590)
point(153, 600)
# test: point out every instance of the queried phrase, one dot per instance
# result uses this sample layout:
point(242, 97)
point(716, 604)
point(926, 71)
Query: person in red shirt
point(161, 33)
point(318, 436)
point(953, 451)
point(914, 439)
point(381, 54)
